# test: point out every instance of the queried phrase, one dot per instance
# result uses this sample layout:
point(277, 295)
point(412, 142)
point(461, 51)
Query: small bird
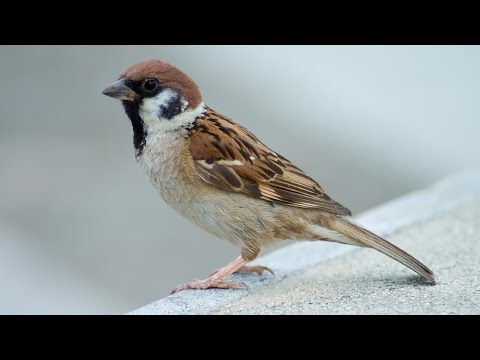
point(224, 179)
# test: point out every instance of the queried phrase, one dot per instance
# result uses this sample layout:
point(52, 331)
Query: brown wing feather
point(231, 158)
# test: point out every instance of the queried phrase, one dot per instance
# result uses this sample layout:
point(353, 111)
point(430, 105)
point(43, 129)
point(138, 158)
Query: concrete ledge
point(439, 225)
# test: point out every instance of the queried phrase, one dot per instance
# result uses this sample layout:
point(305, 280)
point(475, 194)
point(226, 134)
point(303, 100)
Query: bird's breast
point(231, 216)
point(161, 163)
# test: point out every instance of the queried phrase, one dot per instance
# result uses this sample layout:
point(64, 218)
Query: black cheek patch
point(173, 108)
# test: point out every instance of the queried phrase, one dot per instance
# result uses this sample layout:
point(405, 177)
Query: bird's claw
point(210, 284)
point(258, 269)
point(248, 269)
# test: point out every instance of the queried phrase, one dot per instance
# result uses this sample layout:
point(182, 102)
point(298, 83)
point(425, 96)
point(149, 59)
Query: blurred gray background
point(83, 231)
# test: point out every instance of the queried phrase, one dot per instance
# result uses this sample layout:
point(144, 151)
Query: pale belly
point(230, 216)
point(243, 220)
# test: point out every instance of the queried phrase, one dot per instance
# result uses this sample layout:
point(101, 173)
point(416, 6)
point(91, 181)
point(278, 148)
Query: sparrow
point(221, 177)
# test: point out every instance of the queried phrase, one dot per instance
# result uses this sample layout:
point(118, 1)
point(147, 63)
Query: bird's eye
point(150, 84)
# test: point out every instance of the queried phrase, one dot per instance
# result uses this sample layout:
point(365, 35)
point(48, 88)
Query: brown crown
point(168, 76)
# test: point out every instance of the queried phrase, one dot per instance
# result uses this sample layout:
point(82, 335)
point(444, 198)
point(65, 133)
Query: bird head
point(157, 97)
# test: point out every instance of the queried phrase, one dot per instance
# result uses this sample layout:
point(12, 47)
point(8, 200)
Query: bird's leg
point(249, 254)
point(217, 280)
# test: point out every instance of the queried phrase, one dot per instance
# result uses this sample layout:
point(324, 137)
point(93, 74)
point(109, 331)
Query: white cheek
point(150, 108)
point(151, 114)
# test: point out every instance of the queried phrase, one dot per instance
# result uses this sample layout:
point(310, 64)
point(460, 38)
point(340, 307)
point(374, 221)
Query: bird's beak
point(118, 90)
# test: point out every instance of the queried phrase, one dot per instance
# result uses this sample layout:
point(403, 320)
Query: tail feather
point(369, 239)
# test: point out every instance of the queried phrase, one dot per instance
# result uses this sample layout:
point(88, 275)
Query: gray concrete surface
point(440, 225)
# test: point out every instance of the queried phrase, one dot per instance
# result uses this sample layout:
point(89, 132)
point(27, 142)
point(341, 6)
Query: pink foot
point(248, 269)
point(210, 284)
point(254, 269)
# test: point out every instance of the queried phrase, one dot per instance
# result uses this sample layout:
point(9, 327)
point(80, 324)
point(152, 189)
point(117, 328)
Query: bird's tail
point(363, 237)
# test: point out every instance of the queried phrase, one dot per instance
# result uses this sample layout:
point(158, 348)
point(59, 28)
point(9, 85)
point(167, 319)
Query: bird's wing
point(229, 157)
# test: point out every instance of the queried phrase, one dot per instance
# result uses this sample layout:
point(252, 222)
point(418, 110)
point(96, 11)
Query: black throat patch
point(132, 108)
